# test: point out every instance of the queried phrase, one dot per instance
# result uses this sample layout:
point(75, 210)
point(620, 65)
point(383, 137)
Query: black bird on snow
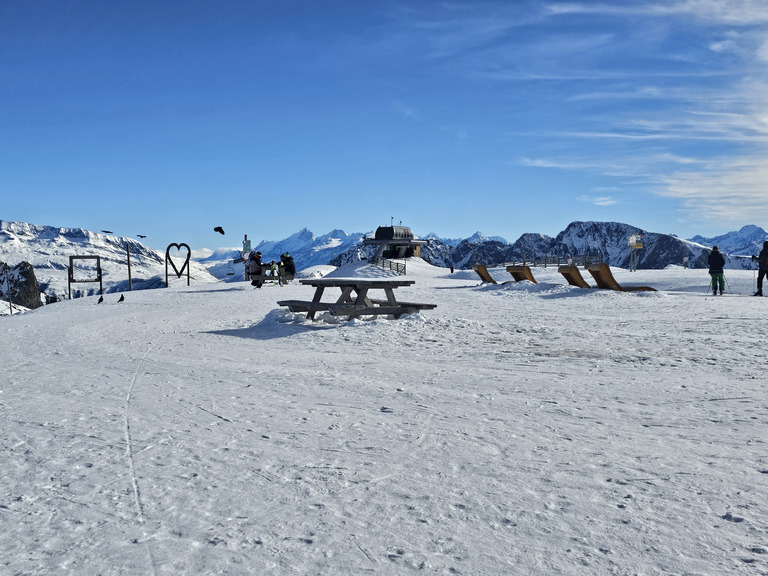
point(101, 299)
point(122, 297)
point(219, 229)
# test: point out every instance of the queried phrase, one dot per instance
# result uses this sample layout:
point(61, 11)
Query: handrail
point(388, 264)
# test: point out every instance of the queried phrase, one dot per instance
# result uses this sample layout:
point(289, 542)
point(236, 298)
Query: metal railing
point(388, 264)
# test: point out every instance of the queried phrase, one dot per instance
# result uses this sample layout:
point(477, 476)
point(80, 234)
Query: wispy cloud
point(735, 192)
point(669, 94)
point(598, 200)
point(736, 12)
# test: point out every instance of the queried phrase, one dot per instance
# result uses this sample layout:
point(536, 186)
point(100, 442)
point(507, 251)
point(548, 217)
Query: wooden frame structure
point(71, 273)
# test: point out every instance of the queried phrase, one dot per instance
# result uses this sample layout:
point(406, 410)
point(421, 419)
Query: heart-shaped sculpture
point(169, 260)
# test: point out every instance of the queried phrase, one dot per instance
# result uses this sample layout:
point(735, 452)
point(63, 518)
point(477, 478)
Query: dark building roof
point(393, 233)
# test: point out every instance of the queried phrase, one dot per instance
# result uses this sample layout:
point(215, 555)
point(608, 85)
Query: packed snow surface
point(514, 429)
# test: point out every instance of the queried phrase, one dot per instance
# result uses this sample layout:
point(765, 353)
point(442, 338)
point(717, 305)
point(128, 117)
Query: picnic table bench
point(360, 304)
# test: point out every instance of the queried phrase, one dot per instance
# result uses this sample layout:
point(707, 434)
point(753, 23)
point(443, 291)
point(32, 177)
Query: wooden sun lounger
point(574, 277)
point(604, 279)
point(520, 273)
point(482, 271)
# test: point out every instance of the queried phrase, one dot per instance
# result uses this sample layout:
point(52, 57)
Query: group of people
point(286, 267)
point(716, 263)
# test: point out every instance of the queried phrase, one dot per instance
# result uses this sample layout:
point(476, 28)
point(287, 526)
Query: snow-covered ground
point(514, 429)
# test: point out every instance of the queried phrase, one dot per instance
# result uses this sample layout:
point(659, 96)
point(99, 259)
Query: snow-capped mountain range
point(608, 239)
point(48, 250)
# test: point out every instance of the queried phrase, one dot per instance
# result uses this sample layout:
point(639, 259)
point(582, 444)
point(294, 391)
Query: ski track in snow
point(514, 429)
point(131, 464)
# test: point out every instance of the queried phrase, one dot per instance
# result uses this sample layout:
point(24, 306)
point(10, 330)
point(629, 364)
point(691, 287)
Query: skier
point(716, 263)
point(254, 267)
point(762, 260)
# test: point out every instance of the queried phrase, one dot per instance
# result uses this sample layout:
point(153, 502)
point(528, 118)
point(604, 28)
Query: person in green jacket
point(716, 263)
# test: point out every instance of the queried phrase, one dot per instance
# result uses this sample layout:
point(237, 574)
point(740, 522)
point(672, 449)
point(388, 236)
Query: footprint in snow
point(731, 518)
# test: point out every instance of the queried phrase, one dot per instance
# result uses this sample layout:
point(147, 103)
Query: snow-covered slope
point(48, 249)
point(514, 429)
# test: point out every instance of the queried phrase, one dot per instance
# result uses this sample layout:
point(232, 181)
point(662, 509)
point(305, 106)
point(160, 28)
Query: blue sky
point(170, 118)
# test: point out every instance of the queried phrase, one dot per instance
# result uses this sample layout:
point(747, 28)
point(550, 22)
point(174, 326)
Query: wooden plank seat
point(412, 306)
point(520, 273)
point(573, 276)
point(375, 308)
point(305, 305)
point(605, 280)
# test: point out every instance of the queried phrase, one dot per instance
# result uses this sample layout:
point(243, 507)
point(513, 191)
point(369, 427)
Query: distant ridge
point(609, 239)
point(746, 241)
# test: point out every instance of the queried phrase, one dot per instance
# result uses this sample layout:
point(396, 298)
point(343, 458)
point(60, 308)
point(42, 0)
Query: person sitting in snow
point(762, 260)
point(255, 267)
point(716, 263)
point(287, 265)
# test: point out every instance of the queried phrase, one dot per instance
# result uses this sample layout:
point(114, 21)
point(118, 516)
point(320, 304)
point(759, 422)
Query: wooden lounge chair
point(574, 277)
point(521, 273)
point(482, 271)
point(604, 279)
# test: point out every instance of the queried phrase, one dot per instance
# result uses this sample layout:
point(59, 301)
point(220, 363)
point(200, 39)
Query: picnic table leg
point(391, 299)
point(318, 295)
point(362, 299)
point(390, 296)
point(346, 295)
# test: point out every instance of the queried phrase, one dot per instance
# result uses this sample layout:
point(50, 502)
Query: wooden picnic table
point(354, 300)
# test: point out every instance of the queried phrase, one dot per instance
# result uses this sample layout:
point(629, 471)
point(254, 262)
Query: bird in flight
point(107, 231)
point(140, 235)
point(219, 229)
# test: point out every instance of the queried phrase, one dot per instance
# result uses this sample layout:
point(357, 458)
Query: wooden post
point(130, 281)
point(8, 287)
